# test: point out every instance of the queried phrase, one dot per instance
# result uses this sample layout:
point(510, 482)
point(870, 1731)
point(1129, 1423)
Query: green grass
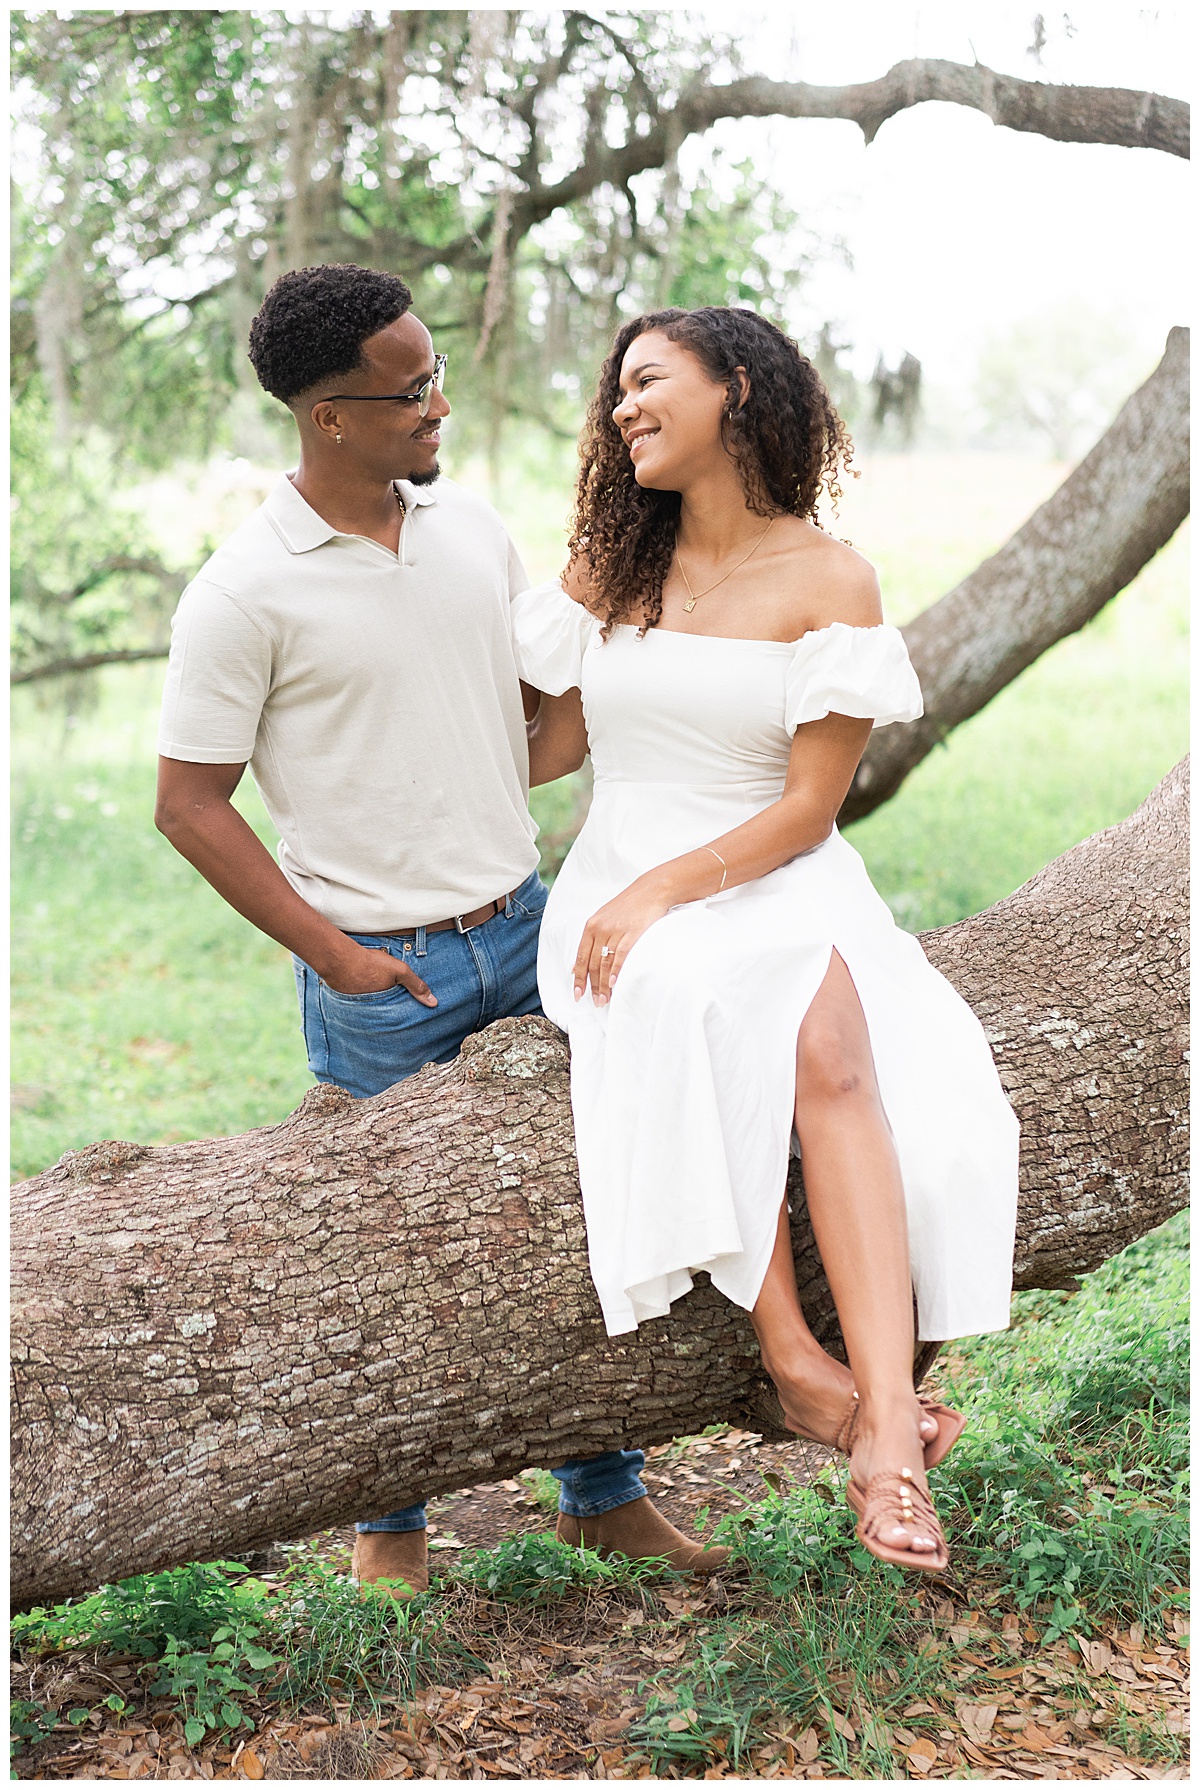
point(143, 1007)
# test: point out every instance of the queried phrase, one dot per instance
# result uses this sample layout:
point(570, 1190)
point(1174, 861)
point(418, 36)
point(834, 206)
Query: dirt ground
point(563, 1684)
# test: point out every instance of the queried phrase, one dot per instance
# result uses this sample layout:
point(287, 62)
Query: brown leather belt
point(460, 922)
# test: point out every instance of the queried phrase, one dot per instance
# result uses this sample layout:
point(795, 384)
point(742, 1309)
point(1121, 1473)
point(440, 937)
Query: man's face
point(390, 440)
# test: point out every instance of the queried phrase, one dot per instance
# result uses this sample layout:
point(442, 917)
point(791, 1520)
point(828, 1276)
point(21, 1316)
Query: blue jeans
point(367, 1042)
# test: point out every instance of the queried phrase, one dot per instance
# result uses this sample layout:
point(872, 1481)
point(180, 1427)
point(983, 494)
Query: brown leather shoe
point(639, 1532)
point(383, 1554)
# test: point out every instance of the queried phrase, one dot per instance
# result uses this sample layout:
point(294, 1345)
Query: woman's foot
point(888, 1446)
point(820, 1403)
point(816, 1392)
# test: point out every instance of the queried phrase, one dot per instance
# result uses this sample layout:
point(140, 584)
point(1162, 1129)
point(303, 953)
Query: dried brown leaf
point(807, 1745)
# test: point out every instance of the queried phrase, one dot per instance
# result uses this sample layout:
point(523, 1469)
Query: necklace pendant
point(688, 607)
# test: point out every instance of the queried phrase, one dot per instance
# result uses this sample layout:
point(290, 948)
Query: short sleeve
point(218, 678)
point(518, 577)
point(550, 636)
point(864, 672)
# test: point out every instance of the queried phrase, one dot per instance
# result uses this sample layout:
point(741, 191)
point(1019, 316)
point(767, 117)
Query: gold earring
point(338, 440)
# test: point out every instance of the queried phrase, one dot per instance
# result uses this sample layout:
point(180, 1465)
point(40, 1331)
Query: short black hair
point(314, 321)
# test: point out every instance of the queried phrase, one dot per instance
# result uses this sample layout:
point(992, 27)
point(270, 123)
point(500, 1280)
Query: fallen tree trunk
point(222, 1343)
point(1084, 545)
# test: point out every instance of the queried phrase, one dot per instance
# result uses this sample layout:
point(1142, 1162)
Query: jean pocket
point(372, 997)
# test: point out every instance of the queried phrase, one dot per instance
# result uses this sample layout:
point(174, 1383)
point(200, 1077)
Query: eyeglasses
point(422, 397)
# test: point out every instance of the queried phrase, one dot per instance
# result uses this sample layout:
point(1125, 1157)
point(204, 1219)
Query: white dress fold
point(683, 1087)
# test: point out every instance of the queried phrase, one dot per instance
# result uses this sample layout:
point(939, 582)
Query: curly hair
point(787, 440)
point(314, 321)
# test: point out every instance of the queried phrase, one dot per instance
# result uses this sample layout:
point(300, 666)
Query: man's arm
point(193, 810)
point(558, 739)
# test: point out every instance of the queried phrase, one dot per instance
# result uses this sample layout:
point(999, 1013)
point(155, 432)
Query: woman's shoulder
point(832, 582)
point(576, 583)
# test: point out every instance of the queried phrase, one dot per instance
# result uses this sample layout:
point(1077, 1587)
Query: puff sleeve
point(550, 635)
point(839, 670)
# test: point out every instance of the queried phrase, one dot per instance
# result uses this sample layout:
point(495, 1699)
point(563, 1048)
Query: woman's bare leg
point(813, 1388)
point(856, 1203)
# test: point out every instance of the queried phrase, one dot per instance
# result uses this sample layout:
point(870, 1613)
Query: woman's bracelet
point(722, 863)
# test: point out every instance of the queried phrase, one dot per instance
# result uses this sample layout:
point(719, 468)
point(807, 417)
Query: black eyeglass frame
point(422, 397)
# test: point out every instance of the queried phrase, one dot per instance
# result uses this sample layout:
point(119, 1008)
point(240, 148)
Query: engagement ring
point(606, 950)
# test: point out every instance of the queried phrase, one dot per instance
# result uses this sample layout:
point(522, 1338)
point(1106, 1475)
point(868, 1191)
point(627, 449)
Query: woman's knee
point(832, 1067)
point(834, 1064)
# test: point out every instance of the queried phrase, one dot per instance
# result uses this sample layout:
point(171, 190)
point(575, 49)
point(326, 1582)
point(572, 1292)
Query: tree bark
point(1084, 545)
point(220, 1343)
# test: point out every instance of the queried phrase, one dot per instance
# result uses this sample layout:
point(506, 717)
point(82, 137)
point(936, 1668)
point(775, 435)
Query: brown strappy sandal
point(845, 1430)
point(951, 1425)
point(889, 1499)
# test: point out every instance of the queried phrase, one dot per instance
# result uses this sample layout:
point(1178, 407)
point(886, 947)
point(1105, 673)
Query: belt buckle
point(458, 919)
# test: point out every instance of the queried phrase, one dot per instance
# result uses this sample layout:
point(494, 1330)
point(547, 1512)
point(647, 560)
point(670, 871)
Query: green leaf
point(193, 1730)
point(258, 1657)
point(231, 1715)
point(77, 1716)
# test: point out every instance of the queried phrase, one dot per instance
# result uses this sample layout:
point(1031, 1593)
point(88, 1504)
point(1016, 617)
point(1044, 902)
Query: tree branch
point(1117, 509)
point(87, 662)
point(1116, 115)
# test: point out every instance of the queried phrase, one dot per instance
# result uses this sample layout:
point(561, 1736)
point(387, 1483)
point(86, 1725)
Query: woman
point(726, 972)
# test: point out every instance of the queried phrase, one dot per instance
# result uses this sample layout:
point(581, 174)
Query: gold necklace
point(694, 596)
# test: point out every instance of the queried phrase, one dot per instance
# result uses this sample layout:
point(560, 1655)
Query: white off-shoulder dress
point(683, 1086)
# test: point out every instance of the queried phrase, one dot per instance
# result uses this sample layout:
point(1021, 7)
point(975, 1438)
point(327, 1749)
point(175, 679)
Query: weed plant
point(536, 1569)
point(543, 1488)
point(362, 1650)
point(203, 1624)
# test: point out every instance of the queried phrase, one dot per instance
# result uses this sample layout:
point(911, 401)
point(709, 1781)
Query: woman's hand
point(612, 932)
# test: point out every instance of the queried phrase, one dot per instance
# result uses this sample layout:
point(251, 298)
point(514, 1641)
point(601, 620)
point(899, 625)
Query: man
point(351, 642)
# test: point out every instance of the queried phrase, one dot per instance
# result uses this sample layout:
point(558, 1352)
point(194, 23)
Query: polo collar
point(417, 494)
point(301, 529)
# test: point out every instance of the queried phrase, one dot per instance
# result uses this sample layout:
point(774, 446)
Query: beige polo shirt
point(375, 697)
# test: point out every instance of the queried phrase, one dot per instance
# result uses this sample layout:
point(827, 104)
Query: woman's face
point(669, 413)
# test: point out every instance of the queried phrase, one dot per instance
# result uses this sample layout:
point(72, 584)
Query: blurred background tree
point(174, 163)
point(1055, 377)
